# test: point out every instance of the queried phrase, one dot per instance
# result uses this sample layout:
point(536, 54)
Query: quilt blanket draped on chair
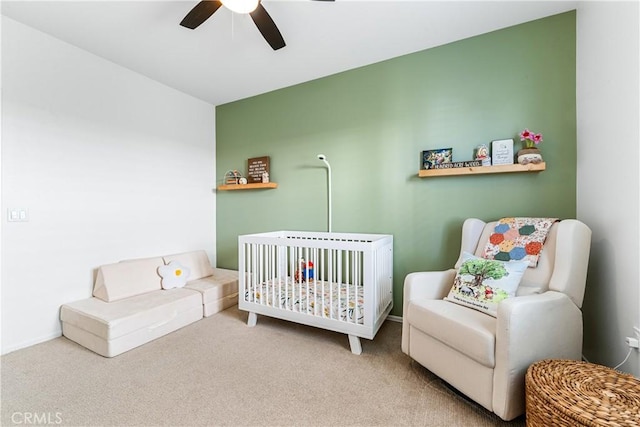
point(518, 239)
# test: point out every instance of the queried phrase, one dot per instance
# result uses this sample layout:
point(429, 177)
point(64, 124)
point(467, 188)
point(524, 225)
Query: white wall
point(109, 164)
point(608, 180)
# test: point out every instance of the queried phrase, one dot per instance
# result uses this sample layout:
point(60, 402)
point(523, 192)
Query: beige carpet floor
point(220, 372)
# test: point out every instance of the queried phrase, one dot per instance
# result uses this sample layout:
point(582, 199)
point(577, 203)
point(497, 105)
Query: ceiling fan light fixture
point(241, 6)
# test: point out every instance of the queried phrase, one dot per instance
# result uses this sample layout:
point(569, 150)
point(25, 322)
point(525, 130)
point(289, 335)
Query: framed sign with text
point(256, 167)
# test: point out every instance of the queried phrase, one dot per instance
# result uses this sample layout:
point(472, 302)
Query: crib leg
point(354, 342)
point(252, 320)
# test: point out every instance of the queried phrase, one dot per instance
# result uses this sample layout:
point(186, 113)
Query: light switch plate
point(17, 215)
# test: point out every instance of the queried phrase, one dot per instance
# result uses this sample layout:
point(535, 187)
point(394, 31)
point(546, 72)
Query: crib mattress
point(318, 298)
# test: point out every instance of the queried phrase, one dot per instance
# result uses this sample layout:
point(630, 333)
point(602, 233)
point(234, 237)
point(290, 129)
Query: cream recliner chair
point(486, 357)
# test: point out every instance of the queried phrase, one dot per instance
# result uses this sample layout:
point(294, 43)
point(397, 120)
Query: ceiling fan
point(203, 11)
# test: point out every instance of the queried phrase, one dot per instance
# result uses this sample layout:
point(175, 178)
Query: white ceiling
point(226, 58)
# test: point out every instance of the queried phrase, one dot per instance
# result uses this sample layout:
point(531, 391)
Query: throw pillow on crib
point(174, 275)
point(482, 283)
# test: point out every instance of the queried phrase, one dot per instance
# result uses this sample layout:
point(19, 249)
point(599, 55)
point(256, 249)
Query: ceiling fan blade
point(200, 13)
point(267, 27)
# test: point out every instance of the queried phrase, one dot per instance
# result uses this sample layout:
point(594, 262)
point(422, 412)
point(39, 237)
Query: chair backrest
point(562, 265)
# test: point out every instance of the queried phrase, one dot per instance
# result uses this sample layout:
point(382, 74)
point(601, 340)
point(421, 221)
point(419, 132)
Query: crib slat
point(332, 264)
point(356, 283)
point(305, 276)
point(272, 268)
point(340, 283)
point(314, 259)
point(290, 274)
point(254, 264)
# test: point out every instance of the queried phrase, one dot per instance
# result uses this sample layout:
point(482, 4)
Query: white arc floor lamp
point(324, 159)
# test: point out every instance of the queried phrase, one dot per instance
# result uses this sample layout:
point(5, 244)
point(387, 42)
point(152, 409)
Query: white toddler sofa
point(129, 307)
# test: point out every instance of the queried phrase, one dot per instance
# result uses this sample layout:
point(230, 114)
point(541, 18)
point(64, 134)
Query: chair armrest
point(423, 285)
point(428, 285)
point(528, 329)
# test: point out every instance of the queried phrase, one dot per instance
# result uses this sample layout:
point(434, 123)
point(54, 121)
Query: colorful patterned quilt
point(518, 239)
point(317, 298)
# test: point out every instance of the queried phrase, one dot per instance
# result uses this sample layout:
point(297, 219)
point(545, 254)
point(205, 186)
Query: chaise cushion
point(127, 278)
point(109, 328)
point(219, 291)
point(113, 320)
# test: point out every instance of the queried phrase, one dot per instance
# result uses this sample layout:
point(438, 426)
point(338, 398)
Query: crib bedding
point(316, 297)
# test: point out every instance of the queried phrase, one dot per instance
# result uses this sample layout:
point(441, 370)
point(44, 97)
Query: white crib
point(342, 282)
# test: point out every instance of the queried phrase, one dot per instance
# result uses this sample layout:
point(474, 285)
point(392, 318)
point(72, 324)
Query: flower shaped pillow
point(174, 275)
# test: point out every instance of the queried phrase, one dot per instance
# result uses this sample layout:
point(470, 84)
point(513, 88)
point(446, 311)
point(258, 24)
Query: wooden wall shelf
point(256, 186)
point(481, 170)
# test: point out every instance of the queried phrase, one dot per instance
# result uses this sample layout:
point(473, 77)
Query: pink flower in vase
point(530, 139)
point(525, 135)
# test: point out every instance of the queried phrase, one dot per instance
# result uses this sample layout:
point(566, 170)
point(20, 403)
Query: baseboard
point(393, 318)
point(25, 344)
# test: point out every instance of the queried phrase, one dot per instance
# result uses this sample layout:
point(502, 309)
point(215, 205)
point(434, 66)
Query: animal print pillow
point(482, 283)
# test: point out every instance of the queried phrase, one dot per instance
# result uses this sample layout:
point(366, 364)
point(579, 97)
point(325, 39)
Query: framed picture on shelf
point(502, 152)
point(432, 158)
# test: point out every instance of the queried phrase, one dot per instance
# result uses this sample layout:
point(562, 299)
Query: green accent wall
point(373, 122)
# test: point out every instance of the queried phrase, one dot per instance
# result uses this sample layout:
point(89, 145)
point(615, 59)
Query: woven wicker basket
point(571, 393)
